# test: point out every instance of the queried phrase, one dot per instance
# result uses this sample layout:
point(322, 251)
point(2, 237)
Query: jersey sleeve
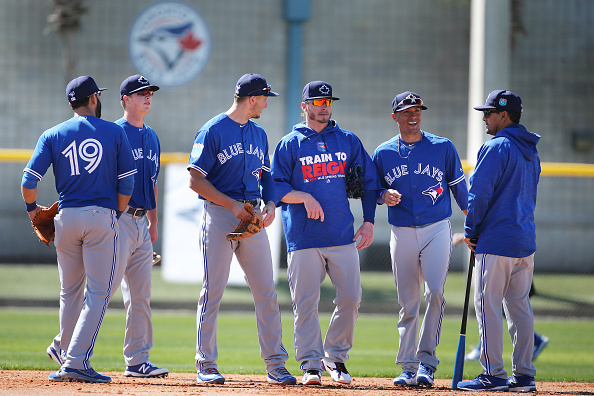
point(268, 187)
point(203, 155)
point(282, 169)
point(455, 177)
point(39, 162)
point(126, 167)
point(488, 171)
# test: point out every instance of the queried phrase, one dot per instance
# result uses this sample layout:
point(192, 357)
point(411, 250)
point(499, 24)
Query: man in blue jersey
point(138, 228)
point(229, 168)
point(94, 176)
point(309, 167)
point(501, 204)
point(417, 171)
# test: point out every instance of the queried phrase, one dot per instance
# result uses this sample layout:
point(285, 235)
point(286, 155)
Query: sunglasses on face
point(321, 102)
point(265, 89)
point(487, 112)
point(144, 92)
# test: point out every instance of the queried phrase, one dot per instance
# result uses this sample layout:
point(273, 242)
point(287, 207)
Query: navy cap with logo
point(81, 87)
point(406, 100)
point(318, 90)
point(502, 100)
point(135, 83)
point(251, 84)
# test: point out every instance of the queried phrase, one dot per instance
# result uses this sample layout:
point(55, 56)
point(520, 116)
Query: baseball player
point(138, 228)
point(94, 175)
point(417, 171)
point(229, 167)
point(309, 167)
point(501, 204)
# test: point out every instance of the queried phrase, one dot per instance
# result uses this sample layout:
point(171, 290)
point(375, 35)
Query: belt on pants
point(135, 212)
point(254, 202)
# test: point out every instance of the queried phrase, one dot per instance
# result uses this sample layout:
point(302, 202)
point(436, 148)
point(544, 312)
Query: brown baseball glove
point(247, 228)
point(156, 258)
point(43, 223)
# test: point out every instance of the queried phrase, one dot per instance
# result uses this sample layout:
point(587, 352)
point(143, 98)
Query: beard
point(98, 109)
point(321, 119)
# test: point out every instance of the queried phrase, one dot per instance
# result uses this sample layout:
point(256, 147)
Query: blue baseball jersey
point(89, 155)
point(316, 163)
point(234, 158)
point(146, 150)
point(424, 175)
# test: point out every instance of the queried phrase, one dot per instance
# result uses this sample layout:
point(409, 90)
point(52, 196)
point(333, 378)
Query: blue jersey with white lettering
point(317, 163)
point(89, 155)
point(424, 175)
point(234, 158)
point(146, 150)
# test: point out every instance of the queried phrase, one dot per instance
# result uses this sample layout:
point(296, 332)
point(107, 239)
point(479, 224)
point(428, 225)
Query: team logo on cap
point(434, 192)
point(324, 90)
point(143, 80)
point(502, 102)
point(412, 98)
point(169, 43)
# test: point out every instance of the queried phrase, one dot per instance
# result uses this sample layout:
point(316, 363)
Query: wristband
point(31, 206)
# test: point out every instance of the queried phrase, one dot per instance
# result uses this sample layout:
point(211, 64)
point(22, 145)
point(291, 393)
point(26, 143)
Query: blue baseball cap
point(318, 90)
point(253, 85)
point(80, 88)
point(502, 100)
point(135, 83)
point(405, 100)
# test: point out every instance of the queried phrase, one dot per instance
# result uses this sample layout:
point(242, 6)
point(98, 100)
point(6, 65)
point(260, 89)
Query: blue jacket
point(316, 163)
point(502, 194)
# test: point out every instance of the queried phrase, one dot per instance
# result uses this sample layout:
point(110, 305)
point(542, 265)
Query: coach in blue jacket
point(501, 203)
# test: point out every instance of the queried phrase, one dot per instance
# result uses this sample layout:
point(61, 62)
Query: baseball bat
point(459, 362)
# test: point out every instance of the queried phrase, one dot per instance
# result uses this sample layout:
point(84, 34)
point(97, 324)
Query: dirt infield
point(26, 383)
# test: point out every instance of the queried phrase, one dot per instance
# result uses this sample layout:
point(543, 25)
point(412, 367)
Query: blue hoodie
point(502, 194)
point(316, 163)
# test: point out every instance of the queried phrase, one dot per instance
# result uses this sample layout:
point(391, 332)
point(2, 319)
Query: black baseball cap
point(318, 90)
point(405, 100)
point(81, 87)
point(251, 84)
point(502, 100)
point(135, 83)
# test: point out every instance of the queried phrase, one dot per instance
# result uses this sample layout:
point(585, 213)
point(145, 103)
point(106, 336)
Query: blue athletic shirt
point(92, 162)
point(316, 163)
point(146, 150)
point(234, 158)
point(502, 195)
point(424, 176)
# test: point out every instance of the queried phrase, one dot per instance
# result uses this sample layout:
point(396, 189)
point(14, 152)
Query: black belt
point(135, 212)
point(254, 202)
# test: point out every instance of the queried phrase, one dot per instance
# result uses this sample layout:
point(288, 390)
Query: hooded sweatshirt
point(502, 195)
point(316, 163)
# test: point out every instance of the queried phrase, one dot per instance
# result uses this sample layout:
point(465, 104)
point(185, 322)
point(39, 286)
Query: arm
point(312, 206)
point(30, 196)
point(200, 185)
point(152, 219)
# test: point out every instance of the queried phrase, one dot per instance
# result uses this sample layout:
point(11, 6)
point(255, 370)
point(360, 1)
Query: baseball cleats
point(54, 355)
point(210, 376)
point(281, 376)
point(67, 374)
point(338, 372)
point(312, 377)
point(425, 375)
point(540, 342)
point(522, 383)
point(407, 378)
point(484, 383)
point(146, 370)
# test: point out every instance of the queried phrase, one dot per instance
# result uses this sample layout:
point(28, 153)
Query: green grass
point(25, 334)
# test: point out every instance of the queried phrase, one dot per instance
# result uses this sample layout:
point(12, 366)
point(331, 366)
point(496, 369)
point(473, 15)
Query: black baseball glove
point(354, 182)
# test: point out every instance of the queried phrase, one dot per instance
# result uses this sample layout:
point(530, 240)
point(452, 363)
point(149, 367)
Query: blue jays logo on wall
point(169, 43)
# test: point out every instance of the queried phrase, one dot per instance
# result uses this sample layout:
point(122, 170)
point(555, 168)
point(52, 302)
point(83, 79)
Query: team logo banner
point(169, 43)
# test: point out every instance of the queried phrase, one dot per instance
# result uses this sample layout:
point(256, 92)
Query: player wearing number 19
point(94, 176)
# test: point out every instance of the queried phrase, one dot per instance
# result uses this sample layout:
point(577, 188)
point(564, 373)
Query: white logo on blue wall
point(169, 43)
